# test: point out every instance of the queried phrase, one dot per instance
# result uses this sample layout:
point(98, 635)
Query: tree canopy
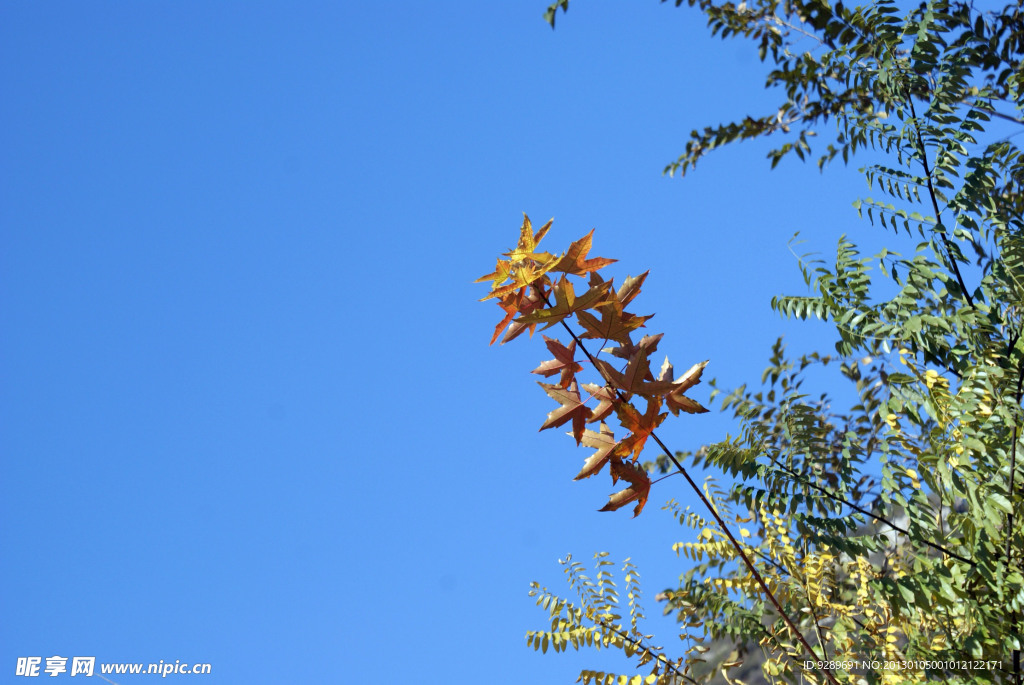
point(881, 542)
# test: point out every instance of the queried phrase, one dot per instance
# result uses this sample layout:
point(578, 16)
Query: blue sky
point(248, 414)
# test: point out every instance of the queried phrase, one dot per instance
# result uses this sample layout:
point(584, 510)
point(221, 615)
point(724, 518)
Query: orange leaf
point(641, 426)
point(639, 488)
point(574, 261)
point(516, 302)
point(510, 303)
point(531, 300)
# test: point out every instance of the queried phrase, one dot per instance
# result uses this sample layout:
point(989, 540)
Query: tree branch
point(718, 519)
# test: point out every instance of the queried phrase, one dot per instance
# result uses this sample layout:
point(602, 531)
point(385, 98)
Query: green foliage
point(595, 621)
point(884, 538)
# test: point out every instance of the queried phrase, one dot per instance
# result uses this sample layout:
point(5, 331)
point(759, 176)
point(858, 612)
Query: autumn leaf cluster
point(535, 288)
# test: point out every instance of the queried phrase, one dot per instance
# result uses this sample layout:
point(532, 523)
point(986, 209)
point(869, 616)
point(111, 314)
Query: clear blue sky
point(248, 414)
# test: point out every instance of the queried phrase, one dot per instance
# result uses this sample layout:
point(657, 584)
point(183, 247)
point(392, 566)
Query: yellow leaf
point(528, 241)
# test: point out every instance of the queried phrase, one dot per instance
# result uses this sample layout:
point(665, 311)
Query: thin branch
point(1009, 516)
point(639, 644)
point(721, 522)
point(935, 204)
point(861, 510)
point(1007, 117)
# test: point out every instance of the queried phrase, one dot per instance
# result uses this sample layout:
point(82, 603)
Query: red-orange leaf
point(510, 304)
point(575, 262)
point(639, 487)
point(640, 425)
point(564, 362)
point(572, 409)
point(604, 442)
point(517, 302)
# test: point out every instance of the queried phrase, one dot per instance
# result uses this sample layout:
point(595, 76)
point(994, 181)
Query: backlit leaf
point(563, 363)
point(571, 409)
point(604, 442)
point(639, 488)
point(574, 261)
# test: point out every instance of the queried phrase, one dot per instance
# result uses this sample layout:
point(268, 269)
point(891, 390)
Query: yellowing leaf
point(525, 265)
point(502, 273)
point(528, 241)
point(667, 371)
point(524, 274)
